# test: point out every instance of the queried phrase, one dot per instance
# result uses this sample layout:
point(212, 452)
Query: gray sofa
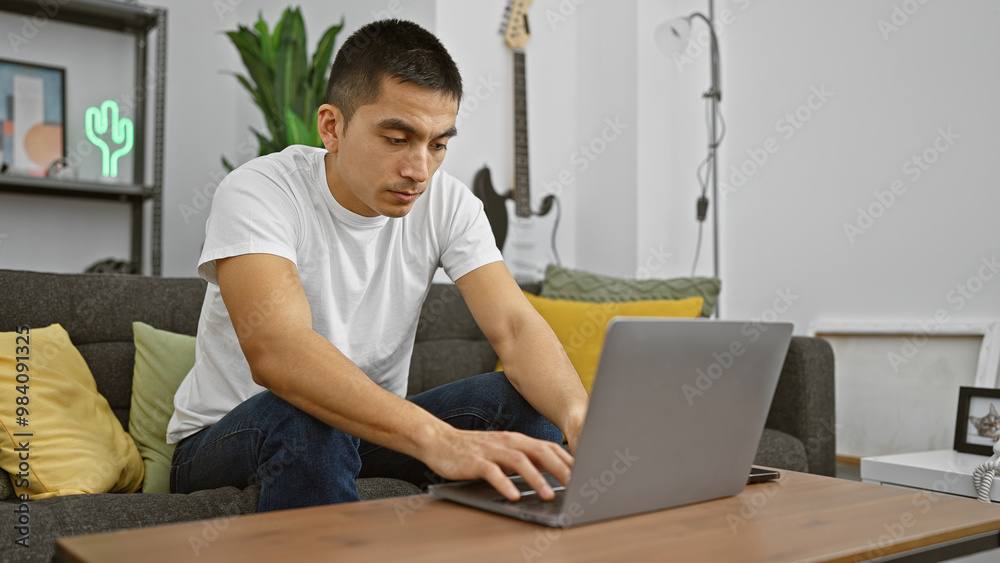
point(98, 310)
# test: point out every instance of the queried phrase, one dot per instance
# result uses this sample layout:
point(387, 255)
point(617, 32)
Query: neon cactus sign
point(102, 121)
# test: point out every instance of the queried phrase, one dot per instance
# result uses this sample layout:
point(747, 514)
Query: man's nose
point(417, 166)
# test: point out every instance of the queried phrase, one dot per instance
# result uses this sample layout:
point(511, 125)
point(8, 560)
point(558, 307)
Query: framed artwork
point(32, 116)
point(977, 428)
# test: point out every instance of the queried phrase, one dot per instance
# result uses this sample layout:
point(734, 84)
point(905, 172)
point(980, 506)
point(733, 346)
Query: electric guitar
point(526, 238)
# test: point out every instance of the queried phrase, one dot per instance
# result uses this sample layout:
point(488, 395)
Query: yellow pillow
point(59, 434)
point(580, 325)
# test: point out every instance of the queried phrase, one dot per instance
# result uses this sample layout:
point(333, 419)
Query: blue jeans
point(299, 460)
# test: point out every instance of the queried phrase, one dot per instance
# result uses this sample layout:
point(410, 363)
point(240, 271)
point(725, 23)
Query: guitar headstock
point(516, 31)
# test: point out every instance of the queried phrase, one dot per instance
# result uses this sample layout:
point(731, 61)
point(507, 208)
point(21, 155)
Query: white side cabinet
point(943, 471)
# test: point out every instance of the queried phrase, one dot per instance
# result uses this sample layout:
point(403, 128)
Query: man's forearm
point(312, 374)
point(537, 366)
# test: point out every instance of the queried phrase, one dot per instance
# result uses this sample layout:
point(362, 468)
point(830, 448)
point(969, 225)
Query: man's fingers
point(496, 477)
point(550, 457)
point(563, 464)
point(529, 457)
point(566, 456)
point(520, 463)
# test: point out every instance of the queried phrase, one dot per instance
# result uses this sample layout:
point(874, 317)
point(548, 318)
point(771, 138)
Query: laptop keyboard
point(530, 501)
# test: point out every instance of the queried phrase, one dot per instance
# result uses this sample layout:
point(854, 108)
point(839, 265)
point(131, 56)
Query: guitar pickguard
point(528, 250)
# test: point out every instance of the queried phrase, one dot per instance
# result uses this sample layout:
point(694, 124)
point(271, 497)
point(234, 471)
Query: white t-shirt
point(365, 277)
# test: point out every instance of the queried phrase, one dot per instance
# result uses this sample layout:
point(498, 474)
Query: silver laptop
point(676, 414)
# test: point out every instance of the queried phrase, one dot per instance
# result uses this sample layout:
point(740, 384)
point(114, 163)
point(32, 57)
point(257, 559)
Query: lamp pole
point(715, 96)
point(666, 34)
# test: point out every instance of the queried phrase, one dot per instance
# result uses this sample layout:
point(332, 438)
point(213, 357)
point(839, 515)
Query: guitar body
point(493, 203)
point(529, 248)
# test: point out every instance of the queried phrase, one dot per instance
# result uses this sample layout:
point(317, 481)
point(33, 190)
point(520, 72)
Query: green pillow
point(577, 285)
point(162, 359)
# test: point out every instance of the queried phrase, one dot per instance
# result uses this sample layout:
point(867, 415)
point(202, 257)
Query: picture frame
point(974, 405)
point(32, 116)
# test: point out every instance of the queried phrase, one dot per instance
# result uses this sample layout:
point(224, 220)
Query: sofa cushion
point(60, 517)
point(97, 310)
point(438, 362)
point(580, 326)
point(75, 444)
point(379, 487)
point(6, 487)
point(567, 283)
point(162, 359)
point(782, 451)
point(449, 345)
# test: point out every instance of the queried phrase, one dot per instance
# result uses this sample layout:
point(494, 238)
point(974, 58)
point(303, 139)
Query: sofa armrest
point(803, 404)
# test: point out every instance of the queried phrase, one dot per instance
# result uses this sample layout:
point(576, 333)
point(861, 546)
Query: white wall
point(617, 131)
point(208, 114)
point(588, 62)
point(865, 100)
point(470, 31)
point(607, 118)
point(783, 229)
point(46, 233)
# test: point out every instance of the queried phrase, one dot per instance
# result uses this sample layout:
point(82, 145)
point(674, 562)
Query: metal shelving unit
point(139, 21)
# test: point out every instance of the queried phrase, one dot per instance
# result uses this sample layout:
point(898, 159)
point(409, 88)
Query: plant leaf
point(285, 83)
point(279, 29)
point(254, 92)
point(315, 140)
point(300, 65)
point(282, 53)
point(265, 145)
point(264, 40)
point(248, 45)
point(291, 60)
point(320, 68)
point(298, 134)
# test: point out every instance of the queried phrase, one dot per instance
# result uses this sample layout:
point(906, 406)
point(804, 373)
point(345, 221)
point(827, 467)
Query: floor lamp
point(673, 36)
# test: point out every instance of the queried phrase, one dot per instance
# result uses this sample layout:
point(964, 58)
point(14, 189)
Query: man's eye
point(440, 146)
point(395, 141)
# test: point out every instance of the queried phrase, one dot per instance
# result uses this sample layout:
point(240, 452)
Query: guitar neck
point(522, 195)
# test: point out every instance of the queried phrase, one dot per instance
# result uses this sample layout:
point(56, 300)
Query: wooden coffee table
point(801, 517)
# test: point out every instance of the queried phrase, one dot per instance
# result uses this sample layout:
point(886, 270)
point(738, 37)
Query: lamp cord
point(697, 249)
point(705, 170)
point(555, 229)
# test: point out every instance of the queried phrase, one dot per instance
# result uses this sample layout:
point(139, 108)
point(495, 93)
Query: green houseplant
point(285, 84)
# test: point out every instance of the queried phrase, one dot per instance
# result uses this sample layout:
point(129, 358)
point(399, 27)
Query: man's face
point(385, 159)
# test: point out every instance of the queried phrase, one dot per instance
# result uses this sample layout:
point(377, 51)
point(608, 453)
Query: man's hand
point(492, 455)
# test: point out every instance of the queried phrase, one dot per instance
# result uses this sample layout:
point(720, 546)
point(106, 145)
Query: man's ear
point(330, 124)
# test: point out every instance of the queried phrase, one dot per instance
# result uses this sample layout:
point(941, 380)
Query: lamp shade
point(672, 36)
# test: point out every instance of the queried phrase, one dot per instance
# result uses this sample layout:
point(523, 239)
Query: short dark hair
point(389, 48)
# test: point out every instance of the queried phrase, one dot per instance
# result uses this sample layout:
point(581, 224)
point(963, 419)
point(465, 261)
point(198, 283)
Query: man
point(319, 262)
